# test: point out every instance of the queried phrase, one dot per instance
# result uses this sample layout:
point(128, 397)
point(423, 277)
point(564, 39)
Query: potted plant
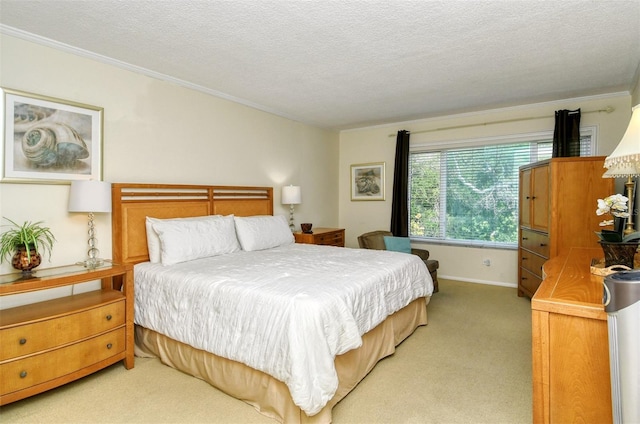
point(25, 243)
point(618, 248)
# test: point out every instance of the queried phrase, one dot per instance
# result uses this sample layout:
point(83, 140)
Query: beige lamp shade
point(291, 195)
point(628, 150)
point(622, 169)
point(90, 196)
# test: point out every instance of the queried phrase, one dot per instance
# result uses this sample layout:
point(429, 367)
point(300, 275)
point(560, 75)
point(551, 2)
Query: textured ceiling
point(353, 63)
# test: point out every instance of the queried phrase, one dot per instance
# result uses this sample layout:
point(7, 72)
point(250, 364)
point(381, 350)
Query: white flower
point(616, 205)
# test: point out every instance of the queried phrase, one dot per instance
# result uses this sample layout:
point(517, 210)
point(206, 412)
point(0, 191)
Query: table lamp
point(291, 195)
point(92, 197)
point(625, 162)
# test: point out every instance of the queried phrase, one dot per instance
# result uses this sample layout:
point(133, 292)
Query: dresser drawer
point(22, 373)
point(535, 242)
point(335, 238)
point(529, 281)
point(532, 262)
point(26, 339)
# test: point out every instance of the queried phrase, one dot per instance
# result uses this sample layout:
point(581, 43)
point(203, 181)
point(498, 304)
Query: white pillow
point(153, 241)
point(263, 232)
point(186, 240)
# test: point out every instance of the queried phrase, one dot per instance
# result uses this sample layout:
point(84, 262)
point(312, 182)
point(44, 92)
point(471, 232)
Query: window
point(468, 193)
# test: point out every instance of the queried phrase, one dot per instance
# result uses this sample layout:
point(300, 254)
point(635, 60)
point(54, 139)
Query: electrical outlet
point(486, 262)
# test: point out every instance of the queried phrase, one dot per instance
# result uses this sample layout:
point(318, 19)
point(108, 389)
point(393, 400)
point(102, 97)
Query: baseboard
point(469, 280)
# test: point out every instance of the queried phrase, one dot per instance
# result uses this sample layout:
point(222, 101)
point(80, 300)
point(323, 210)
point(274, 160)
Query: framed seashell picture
point(49, 140)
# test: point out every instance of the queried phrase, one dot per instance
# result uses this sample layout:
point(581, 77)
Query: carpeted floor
point(470, 364)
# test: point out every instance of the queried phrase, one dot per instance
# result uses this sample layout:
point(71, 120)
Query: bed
point(285, 379)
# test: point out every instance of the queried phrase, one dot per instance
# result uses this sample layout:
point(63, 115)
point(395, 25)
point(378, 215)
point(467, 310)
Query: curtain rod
point(608, 109)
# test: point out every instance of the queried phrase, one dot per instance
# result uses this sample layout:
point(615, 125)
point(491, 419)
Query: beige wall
point(156, 131)
point(635, 96)
point(464, 263)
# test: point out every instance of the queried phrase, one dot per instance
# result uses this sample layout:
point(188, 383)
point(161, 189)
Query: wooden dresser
point(326, 236)
point(571, 378)
point(46, 344)
point(558, 202)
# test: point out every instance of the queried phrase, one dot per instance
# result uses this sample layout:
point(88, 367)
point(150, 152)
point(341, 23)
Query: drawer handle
point(23, 374)
point(524, 238)
point(109, 345)
point(23, 341)
point(542, 244)
point(109, 317)
point(524, 258)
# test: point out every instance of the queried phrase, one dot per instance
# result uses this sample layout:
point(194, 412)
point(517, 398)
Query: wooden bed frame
point(132, 203)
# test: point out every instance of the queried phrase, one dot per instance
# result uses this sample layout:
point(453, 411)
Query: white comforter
point(286, 311)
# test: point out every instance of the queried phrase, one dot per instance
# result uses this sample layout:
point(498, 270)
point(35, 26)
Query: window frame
point(545, 136)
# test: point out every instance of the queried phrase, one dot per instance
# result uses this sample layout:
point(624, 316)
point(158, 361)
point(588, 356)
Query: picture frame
point(49, 140)
point(367, 181)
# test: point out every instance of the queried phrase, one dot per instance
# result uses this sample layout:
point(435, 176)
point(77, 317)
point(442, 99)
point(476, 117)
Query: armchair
point(375, 240)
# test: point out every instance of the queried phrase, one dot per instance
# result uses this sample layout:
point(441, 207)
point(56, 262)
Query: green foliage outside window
point(480, 196)
point(470, 194)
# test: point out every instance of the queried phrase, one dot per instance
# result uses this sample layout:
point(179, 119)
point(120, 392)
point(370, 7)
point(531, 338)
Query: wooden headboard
point(132, 203)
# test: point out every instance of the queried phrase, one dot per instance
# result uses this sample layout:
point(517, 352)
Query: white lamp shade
point(622, 169)
point(291, 195)
point(628, 150)
point(90, 196)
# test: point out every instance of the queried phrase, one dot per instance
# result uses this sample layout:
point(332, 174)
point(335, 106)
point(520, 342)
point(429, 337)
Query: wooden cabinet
point(326, 236)
point(571, 379)
point(46, 344)
point(534, 198)
point(557, 211)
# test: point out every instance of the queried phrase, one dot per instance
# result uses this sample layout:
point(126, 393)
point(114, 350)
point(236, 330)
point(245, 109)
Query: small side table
point(323, 236)
point(46, 344)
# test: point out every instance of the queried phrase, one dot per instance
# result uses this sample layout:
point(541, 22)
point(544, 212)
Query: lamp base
point(291, 226)
point(630, 185)
point(92, 263)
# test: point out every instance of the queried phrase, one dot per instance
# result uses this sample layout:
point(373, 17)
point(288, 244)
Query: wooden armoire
point(558, 202)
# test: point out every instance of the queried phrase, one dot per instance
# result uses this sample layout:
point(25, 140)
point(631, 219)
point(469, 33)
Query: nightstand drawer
point(26, 339)
point(30, 371)
point(322, 236)
point(335, 238)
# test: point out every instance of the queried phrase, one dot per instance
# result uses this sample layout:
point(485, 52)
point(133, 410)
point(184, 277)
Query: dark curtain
point(566, 134)
point(400, 203)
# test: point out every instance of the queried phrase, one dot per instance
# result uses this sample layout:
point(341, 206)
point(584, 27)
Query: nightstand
point(324, 236)
point(47, 344)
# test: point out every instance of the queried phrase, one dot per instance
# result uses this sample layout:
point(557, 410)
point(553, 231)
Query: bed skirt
point(271, 396)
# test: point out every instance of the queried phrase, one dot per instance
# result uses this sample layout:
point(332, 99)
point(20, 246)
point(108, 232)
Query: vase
point(619, 253)
point(24, 262)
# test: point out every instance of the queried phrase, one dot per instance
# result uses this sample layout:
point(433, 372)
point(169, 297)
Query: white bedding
point(286, 311)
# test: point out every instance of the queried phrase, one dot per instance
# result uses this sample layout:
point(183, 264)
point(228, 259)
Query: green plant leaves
point(27, 234)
